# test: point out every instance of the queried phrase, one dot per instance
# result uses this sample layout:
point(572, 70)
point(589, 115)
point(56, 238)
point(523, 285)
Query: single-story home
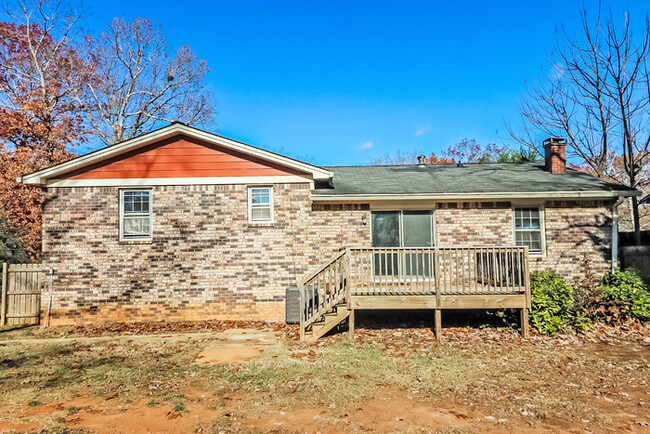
point(180, 223)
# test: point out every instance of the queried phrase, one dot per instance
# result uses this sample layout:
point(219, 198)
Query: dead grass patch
point(502, 385)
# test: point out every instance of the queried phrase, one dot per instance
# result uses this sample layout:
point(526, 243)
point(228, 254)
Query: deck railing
point(444, 270)
point(323, 289)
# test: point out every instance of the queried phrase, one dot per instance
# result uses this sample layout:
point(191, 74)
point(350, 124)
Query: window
point(529, 226)
point(135, 214)
point(260, 204)
point(402, 229)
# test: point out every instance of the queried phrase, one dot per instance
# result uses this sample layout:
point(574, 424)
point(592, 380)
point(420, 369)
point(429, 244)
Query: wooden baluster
point(468, 271)
point(457, 261)
point(504, 279)
point(372, 278)
point(371, 270)
point(319, 290)
point(412, 273)
point(474, 271)
point(394, 272)
point(312, 298)
point(429, 270)
point(421, 270)
point(484, 271)
point(400, 270)
point(511, 267)
point(469, 289)
point(443, 271)
point(457, 273)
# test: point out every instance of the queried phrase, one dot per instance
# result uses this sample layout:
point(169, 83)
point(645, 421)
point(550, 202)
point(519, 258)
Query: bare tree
point(598, 96)
point(40, 71)
point(139, 81)
point(398, 158)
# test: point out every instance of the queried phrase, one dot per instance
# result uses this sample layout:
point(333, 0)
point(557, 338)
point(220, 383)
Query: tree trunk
point(637, 222)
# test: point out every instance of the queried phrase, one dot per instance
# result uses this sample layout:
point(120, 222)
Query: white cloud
point(367, 145)
point(422, 131)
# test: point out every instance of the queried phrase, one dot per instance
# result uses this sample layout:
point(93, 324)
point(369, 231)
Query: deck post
point(524, 323)
point(348, 290)
point(437, 323)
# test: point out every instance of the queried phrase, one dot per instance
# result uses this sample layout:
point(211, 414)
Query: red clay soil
point(389, 411)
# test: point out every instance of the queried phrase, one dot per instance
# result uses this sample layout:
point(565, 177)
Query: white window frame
point(251, 206)
point(542, 227)
point(149, 214)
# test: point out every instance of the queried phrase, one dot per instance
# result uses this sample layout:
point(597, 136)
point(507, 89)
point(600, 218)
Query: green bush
point(553, 306)
point(625, 295)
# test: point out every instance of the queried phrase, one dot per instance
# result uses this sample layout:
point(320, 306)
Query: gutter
point(475, 196)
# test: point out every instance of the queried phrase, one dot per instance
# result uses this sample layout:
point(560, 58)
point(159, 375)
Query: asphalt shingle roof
point(469, 178)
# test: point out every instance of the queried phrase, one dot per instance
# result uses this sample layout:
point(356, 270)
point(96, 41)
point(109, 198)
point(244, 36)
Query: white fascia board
point(136, 182)
point(40, 177)
point(474, 196)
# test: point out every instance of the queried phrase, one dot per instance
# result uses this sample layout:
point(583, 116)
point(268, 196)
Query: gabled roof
point(468, 181)
point(41, 177)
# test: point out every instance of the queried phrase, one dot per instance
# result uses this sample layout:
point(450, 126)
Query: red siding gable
point(180, 157)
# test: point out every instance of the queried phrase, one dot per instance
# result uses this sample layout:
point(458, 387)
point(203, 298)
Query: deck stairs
point(329, 320)
point(325, 298)
point(435, 278)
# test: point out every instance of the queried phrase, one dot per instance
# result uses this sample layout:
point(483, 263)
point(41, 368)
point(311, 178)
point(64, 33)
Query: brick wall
point(578, 235)
point(206, 261)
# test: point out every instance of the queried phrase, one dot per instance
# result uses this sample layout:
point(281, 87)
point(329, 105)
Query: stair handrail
point(323, 288)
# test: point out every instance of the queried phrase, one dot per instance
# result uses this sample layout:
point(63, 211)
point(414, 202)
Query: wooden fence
point(22, 288)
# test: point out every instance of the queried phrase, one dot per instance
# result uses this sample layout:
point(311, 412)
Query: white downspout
point(615, 232)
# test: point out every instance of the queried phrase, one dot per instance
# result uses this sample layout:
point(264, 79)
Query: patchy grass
point(508, 384)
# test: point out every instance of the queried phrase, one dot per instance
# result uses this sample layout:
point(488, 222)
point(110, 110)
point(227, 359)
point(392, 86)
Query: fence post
point(3, 316)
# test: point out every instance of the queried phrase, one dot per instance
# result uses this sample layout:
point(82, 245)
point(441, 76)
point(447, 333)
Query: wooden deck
point(415, 278)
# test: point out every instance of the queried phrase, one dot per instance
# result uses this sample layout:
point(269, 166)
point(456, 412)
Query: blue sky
point(342, 82)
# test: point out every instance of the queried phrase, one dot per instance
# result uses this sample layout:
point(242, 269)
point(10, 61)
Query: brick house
point(183, 224)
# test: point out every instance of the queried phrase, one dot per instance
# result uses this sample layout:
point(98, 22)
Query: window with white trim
point(529, 229)
point(260, 204)
point(135, 214)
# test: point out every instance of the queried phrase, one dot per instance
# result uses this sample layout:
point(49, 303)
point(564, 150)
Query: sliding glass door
point(398, 229)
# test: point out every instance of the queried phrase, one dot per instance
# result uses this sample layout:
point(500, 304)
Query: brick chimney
point(555, 155)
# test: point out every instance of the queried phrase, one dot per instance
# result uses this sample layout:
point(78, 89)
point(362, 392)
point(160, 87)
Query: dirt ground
point(252, 377)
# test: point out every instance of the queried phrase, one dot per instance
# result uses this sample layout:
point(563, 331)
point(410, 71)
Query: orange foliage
point(21, 204)
point(38, 121)
point(433, 159)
